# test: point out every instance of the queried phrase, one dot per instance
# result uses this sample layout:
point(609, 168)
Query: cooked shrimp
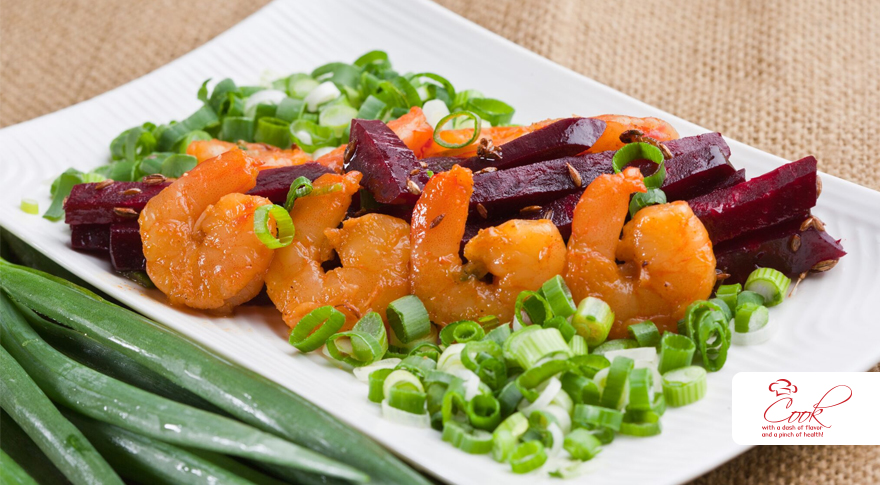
point(374, 251)
point(617, 124)
point(521, 255)
point(667, 256)
point(198, 235)
point(270, 156)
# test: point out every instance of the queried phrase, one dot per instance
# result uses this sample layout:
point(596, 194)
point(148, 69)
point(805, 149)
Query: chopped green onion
point(30, 206)
point(205, 117)
point(506, 436)
point(640, 429)
point(535, 306)
point(373, 57)
point(363, 373)
point(484, 412)
point(578, 345)
point(283, 222)
point(273, 131)
point(418, 365)
point(589, 365)
point(659, 407)
point(420, 420)
point(641, 151)
point(565, 328)
point(337, 117)
point(377, 384)
point(372, 108)
point(442, 123)
point(310, 136)
point(713, 339)
point(728, 294)
point(466, 438)
point(450, 359)
point(408, 318)
point(684, 386)
point(498, 334)
point(558, 296)
point(320, 94)
point(405, 397)
point(66, 181)
point(750, 318)
point(290, 109)
point(462, 331)
point(532, 344)
point(237, 128)
point(426, 349)
point(300, 187)
point(364, 344)
point(190, 137)
point(616, 344)
point(492, 110)
point(477, 351)
point(589, 417)
point(750, 298)
point(593, 320)
point(695, 311)
point(582, 445)
point(722, 306)
point(676, 351)
point(770, 283)
point(402, 377)
point(509, 398)
point(528, 456)
point(641, 390)
point(645, 333)
point(616, 382)
point(176, 165)
point(529, 380)
point(640, 200)
point(316, 327)
point(580, 389)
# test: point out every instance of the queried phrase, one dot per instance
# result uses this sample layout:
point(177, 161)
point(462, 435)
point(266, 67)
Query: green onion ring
point(641, 151)
point(477, 123)
point(316, 327)
point(282, 220)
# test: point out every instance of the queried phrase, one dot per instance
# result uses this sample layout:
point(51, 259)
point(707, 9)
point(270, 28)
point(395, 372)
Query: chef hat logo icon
point(783, 387)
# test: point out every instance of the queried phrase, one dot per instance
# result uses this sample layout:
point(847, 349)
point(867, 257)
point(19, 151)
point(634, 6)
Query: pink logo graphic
point(783, 387)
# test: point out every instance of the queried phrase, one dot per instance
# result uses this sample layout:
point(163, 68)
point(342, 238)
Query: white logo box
point(806, 408)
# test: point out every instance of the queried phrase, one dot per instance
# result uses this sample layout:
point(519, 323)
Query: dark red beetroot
point(788, 192)
point(560, 139)
point(117, 202)
point(90, 237)
point(385, 162)
point(784, 247)
point(506, 191)
point(126, 249)
point(274, 183)
point(688, 175)
point(694, 173)
point(691, 143)
point(738, 177)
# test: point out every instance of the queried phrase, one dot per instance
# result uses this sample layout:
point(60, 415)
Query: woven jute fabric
point(793, 78)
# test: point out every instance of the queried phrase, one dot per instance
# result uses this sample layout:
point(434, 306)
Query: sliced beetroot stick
point(695, 173)
point(507, 191)
point(563, 138)
point(789, 192)
point(785, 247)
point(126, 249)
point(385, 162)
point(97, 203)
point(274, 183)
point(90, 237)
point(691, 143)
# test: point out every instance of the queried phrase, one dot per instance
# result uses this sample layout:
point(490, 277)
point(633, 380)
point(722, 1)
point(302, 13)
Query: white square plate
point(831, 324)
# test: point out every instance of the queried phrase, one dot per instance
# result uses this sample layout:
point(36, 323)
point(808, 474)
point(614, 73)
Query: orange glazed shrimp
point(521, 255)
point(270, 156)
point(616, 124)
point(667, 256)
point(198, 235)
point(373, 249)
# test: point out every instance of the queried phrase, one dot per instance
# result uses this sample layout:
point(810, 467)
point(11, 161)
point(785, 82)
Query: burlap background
point(790, 77)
